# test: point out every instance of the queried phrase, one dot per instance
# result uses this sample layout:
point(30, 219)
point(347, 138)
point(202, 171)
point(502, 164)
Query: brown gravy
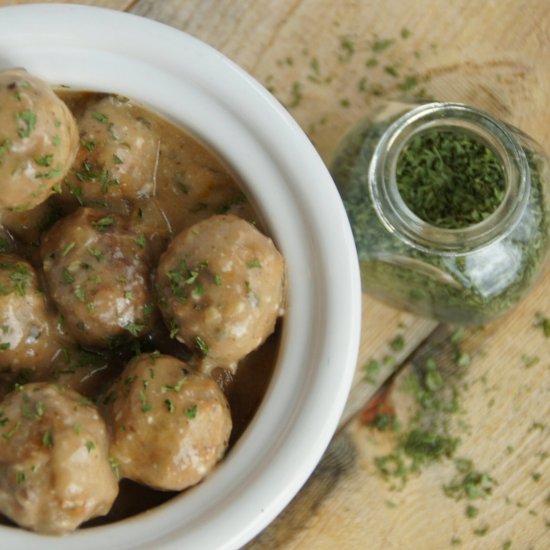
point(191, 184)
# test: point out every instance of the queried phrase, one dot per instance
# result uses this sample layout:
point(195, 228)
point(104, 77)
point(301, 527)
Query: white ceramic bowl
point(195, 85)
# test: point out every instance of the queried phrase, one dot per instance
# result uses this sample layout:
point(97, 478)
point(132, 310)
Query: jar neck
point(448, 117)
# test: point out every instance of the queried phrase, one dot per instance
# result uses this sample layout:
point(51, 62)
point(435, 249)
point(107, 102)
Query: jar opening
point(448, 178)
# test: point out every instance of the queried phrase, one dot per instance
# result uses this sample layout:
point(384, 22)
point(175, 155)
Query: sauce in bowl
point(131, 165)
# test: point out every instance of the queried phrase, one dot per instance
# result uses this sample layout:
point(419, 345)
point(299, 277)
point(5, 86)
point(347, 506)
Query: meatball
point(169, 425)
point(27, 336)
point(54, 466)
point(117, 157)
point(38, 140)
point(220, 286)
point(97, 273)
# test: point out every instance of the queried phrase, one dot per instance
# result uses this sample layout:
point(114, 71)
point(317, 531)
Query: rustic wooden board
point(490, 54)
point(113, 4)
point(506, 413)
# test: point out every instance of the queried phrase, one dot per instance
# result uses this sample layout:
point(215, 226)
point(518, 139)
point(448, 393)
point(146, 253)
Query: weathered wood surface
point(113, 4)
point(503, 428)
point(316, 56)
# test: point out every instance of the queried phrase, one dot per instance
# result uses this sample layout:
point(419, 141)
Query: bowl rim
point(308, 392)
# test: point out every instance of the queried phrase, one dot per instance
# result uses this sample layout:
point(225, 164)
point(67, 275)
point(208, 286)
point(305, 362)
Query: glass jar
point(470, 274)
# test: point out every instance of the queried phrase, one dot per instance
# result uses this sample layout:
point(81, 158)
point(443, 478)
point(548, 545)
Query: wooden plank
point(503, 426)
point(488, 54)
point(113, 4)
point(388, 337)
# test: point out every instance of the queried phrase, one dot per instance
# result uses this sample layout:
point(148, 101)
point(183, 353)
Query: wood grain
point(113, 4)
point(504, 429)
point(490, 54)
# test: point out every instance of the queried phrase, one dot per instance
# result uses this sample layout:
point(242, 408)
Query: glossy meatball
point(169, 425)
point(38, 140)
point(27, 339)
point(220, 285)
point(97, 274)
point(117, 157)
point(54, 466)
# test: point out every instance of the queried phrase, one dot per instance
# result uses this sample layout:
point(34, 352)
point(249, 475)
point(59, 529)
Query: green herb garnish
point(173, 387)
point(543, 323)
point(50, 174)
point(382, 44)
point(450, 179)
point(140, 241)
point(347, 46)
point(47, 439)
point(79, 293)
point(134, 329)
point(100, 117)
point(96, 253)
point(371, 369)
point(481, 531)
point(386, 422)
point(174, 329)
point(10, 433)
point(46, 160)
point(409, 83)
point(471, 511)
point(296, 95)
point(145, 405)
point(398, 343)
point(391, 70)
point(254, 263)
point(201, 346)
point(115, 465)
point(103, 223)
point(88, 144)
point(27, 123)
point(67, 248)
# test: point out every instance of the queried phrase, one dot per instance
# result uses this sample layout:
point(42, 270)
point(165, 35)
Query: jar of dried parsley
point(449, 208)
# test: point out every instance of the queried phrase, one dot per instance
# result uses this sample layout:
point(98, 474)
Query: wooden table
point(330, 62)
